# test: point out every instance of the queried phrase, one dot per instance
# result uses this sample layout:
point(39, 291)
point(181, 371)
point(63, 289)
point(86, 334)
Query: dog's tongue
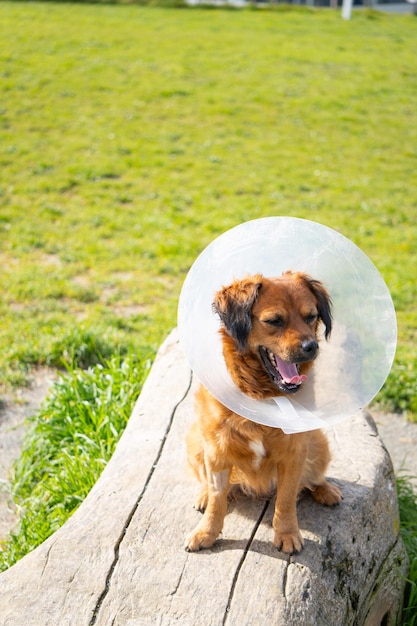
point(289, 372)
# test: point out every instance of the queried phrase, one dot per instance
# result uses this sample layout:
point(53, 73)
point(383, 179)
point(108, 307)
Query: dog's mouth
point(284, 375)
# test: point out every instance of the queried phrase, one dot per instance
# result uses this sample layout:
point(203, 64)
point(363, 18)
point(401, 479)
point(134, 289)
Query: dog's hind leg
point(316, 466)
point(210, 526)
point(327, 494)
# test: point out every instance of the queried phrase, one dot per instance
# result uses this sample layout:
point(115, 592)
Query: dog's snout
point(310, 348)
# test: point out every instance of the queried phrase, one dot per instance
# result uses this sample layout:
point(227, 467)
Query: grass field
point(69, 441)
point(130, 137)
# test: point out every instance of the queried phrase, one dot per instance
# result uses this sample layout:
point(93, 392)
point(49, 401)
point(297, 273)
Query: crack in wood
point(242, 560)
point(285, 579)
point(174, 591)
point(135, 507)
point(47, 558)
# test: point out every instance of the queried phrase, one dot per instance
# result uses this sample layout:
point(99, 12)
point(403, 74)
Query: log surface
point(120, 559)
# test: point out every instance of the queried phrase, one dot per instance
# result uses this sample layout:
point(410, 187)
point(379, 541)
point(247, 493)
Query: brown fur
point(282, 314)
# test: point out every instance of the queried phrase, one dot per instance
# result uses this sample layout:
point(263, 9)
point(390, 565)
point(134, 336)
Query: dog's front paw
point(200, 538)
point(290, 543)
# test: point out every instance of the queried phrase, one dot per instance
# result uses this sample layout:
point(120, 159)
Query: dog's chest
point(259, 452)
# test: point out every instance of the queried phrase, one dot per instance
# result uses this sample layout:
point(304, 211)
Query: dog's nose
point(310, 348)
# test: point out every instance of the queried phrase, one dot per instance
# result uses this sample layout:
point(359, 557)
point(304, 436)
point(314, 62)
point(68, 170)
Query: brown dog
point(269, 334)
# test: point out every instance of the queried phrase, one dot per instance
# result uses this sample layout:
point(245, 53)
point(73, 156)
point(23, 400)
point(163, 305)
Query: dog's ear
point(324, 303)
point(234, 306)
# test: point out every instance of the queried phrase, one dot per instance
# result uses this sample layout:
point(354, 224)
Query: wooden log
point(120, 559)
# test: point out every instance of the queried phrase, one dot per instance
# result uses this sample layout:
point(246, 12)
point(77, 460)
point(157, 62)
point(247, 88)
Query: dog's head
point(270, 330)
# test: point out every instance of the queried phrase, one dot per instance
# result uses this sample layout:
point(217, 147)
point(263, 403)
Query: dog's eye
point(311, 318)
point(278, 321)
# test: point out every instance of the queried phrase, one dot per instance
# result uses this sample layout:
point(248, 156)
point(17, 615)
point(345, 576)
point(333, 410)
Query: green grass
point(68, 443)
point(130, 137)
point(408, 507)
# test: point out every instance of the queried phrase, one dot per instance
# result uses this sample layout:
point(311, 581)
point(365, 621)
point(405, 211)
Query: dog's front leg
point(209, 528)
point(287, 536)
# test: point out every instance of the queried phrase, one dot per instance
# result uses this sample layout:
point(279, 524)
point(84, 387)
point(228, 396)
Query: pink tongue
point(289, 372)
